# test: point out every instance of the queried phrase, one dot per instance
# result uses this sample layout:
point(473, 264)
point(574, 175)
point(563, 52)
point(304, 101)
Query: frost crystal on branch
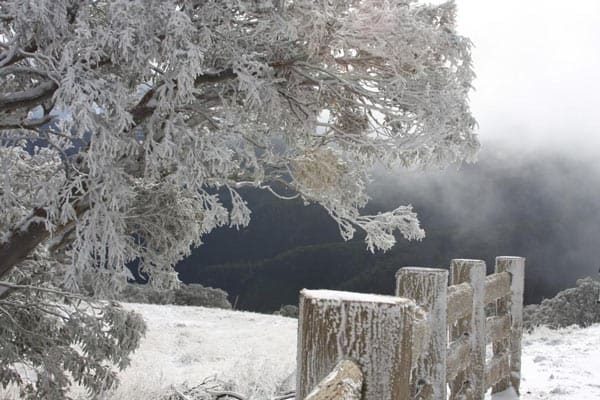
point(149, 115)
point(127, 128)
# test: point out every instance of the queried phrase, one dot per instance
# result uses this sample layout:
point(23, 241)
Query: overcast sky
point(538, 69)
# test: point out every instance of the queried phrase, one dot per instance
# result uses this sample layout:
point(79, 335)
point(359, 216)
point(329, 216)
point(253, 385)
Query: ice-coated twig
point(180, 394)
point(225, 394)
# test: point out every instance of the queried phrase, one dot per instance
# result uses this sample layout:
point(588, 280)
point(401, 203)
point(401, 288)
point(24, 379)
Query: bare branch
point(24, 70)
point(27, 124)
point(28, 98)
point(223, 394)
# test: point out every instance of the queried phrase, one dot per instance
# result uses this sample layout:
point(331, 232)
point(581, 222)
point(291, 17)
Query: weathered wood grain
point(427, 287)
point(470, 382)
point(496, 286)
point(513, 305)
point(373, 331)
point(343, 383)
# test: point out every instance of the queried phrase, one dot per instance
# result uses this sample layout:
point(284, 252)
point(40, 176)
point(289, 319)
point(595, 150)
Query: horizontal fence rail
point(429, 342)
point(344, 382)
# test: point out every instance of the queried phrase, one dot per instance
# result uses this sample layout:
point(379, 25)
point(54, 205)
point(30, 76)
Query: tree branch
point(18, 244)
point(28, 98)
point(22, 240)
point(17, 69)
point(25, 124)
point(217, 77)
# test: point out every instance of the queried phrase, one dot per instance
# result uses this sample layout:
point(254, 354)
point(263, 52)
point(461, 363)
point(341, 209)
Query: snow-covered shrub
point(159, 296)
point(186, 294)
point(50, 341)
point(574, 306)
point(194, 294)
point(288, 310)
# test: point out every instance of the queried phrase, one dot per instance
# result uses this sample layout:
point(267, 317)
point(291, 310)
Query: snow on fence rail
point(427, 340)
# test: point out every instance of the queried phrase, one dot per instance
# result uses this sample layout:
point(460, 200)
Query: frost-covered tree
point(573, 306)
point(128, 126)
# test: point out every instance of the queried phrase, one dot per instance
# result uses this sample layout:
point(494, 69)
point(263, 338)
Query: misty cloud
point(538, 70)
point(548, 205)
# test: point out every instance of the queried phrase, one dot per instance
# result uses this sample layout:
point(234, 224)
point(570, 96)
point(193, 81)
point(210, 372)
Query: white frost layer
point(561, 364)
point(351, 296)
point(255, 352)
point(191, 343)
point(420, 269)
point(467, 260)
point(517, 258)
point(508, 394)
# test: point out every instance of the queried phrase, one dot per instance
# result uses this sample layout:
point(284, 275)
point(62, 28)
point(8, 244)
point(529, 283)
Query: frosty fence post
point(497, 289)
point(471, 381)
point(373, 331)
point(428, 287)
point(515, 266)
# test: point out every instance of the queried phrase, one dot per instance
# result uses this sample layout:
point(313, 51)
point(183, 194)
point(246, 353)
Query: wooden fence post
point(471, 381)
point(373, 331)
point(428, 287)
point(515, 266)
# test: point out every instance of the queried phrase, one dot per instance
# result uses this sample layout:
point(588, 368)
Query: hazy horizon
point(538, 71)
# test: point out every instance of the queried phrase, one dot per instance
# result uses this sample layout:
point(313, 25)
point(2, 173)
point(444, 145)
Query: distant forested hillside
point(545, 208)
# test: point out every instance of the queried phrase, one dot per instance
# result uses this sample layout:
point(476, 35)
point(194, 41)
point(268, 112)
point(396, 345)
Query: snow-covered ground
point(188, 344)
point(257, 351)
point(563, 364)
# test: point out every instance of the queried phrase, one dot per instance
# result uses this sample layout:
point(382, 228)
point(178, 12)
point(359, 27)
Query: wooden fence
point(426, 340)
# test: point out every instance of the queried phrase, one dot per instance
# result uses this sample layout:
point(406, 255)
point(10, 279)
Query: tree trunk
point(22, 240)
